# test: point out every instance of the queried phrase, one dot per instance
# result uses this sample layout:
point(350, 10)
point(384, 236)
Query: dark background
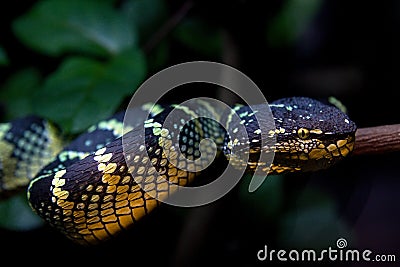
point(349, 51)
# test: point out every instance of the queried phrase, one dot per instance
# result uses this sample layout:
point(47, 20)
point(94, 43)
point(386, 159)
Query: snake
point(91, 189)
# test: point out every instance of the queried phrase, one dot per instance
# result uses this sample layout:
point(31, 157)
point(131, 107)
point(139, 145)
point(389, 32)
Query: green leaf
point(200, 36)
point(17, 91)
point(84, 91)
point(16, 214)
point(57, 27)
point(147, 15)
point(292, 21)
point(3, 57)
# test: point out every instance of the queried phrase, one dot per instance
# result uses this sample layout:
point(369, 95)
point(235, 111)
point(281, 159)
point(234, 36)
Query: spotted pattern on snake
point(26, 145)
point(90, 190)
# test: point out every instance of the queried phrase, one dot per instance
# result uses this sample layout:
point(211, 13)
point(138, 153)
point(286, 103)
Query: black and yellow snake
point(87, 190)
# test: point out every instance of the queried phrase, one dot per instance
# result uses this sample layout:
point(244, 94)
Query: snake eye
point(303, 133)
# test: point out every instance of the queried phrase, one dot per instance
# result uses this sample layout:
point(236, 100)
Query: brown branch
point(377, 140)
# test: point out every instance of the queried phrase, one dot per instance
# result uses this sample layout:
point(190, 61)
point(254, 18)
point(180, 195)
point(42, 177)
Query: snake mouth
point(312, 156)
point(335, 149)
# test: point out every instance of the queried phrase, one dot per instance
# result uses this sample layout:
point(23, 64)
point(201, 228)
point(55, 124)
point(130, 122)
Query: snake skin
point(90, 190)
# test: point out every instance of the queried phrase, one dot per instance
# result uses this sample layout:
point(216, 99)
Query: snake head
point(310, 135)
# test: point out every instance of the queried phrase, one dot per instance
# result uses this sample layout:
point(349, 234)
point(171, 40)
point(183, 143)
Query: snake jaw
point(311, 154)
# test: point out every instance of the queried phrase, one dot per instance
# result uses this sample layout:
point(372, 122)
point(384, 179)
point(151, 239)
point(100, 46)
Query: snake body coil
point(89, 189)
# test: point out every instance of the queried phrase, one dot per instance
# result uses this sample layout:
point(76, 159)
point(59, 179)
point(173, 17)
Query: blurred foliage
point(310, 220)
point(17, 215)
point(17, 91)
point(86, 26)
point(200, 36)
point(96, 60)
point(267, 201)
point(3, 57)
point(93, 91)
point(313, 221)
point(101, 63)
point(292, 21)
point(146, 15)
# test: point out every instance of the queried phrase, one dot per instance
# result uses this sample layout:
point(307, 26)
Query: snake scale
point(87, 190)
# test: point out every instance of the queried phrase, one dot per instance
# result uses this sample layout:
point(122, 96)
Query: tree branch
point(377, 140)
